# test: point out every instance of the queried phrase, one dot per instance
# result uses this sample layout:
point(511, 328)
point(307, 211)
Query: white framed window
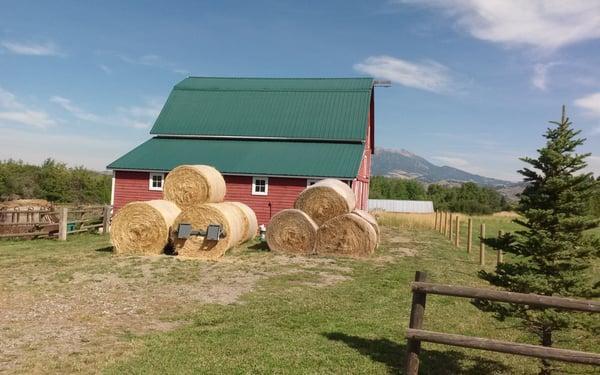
point(155, 182)
point(260, 185)
point(311, 181)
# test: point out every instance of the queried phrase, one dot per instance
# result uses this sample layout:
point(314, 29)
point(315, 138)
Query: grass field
point(75, 306)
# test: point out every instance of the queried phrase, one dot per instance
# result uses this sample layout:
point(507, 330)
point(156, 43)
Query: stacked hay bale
point(324, 221)
point(193, 194)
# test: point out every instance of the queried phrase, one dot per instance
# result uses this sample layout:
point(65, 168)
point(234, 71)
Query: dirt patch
point(74, 309)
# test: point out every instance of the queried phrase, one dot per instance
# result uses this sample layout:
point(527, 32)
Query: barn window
point(311, 181)
point(260, 185)
point(156, 181)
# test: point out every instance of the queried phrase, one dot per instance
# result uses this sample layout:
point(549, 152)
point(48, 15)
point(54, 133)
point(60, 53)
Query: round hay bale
point(143, 227)
point(326, 199)
point(200, 216)
point(347, 235)
point(191, 185)
point(249, 219)
point(292, 231)
point(370, 219)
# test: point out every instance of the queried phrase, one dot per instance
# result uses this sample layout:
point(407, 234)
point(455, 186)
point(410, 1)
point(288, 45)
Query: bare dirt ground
point(69, 308)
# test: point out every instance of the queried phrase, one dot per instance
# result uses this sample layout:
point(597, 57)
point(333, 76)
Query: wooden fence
point(58, 222)
point(415, 334)
point(449, 224)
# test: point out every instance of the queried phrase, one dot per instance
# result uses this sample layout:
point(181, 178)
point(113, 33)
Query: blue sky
point(474, 82)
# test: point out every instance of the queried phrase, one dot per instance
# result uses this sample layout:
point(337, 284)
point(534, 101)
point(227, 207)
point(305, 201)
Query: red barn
point(269, 137)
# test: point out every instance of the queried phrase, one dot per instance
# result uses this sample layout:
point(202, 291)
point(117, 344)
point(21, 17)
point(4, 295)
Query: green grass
point(291, 324)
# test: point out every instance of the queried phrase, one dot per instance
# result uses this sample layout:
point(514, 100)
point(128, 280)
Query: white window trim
point(311, 181)
point(254, 192)
point(162, 176)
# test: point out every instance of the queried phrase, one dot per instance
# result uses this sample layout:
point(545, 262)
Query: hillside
point(404, 164)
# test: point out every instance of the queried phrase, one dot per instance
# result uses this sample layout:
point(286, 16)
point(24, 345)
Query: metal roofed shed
point(401, 206)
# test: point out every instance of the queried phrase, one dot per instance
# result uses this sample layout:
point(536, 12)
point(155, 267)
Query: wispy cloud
point(540, 75)
point(452, 161)
point(31, 49)
point(12, 111)
point(425, 75)
point(590, 103)
point(105, 69)
point(539, 23)
point(138, 117)
point(153, 61)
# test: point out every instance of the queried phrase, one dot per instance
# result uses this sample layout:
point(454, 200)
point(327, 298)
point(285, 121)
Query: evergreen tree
point(551, 255)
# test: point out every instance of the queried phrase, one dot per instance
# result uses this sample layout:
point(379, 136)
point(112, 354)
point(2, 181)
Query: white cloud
point(452, 161)
point(138, 117)
point(12, 111)
point(545, 24)
point(426, 75)
point(68, 106)
point(31, 49)
point(153, 61)
point(593, 165)
point(90, 151)
point(540, 75)
point(590, 103)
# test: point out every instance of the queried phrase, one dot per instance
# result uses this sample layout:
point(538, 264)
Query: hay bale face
point(346, 235)
point(228, 216)
point(249, 219)
point(371, 220)
point(143, 228)
point(191, 185)
point(325, 200)
point(292, 232)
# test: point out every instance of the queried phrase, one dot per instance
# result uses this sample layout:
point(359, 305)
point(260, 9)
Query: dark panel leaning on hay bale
point(143, 228)
point(229, 217)
point(324, 222)
point(292, 231)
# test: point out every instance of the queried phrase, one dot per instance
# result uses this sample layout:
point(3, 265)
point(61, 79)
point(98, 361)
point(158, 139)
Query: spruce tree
point(551, 254)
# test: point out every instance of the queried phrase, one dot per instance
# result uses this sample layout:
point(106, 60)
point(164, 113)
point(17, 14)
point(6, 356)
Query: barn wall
point(281, 195)
point(133, 186)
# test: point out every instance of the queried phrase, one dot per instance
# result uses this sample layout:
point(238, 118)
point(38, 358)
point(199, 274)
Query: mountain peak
point(401, 163)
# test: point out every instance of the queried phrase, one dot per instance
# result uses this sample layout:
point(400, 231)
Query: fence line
point(415, 334)
point(64, 226)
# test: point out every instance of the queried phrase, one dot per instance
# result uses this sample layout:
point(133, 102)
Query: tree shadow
point(392, 355)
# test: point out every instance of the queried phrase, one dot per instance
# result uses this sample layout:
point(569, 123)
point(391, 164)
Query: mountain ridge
point(401, 163)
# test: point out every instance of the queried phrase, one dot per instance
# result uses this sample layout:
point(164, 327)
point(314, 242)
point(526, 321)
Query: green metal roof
point(255, 157)
point(298, 108)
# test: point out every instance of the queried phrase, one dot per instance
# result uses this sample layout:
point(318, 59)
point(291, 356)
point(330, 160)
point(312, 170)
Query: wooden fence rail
point(102, 214)
point(415, 334)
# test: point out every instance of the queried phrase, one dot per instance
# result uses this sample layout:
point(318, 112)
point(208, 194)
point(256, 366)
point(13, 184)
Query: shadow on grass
point(260, 246)
point(107, 249)
point(432, 361)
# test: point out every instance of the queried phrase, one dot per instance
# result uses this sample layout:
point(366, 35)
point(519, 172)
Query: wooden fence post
point(62, 223)
point(482, 245)
point(457, 232)
point(413, 347)
point(106, 218)
point(450, 227)
point(500, 255)
point(469, 235)
point(443, 231)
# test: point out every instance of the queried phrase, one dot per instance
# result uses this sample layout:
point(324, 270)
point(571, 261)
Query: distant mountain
point(405, 164)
